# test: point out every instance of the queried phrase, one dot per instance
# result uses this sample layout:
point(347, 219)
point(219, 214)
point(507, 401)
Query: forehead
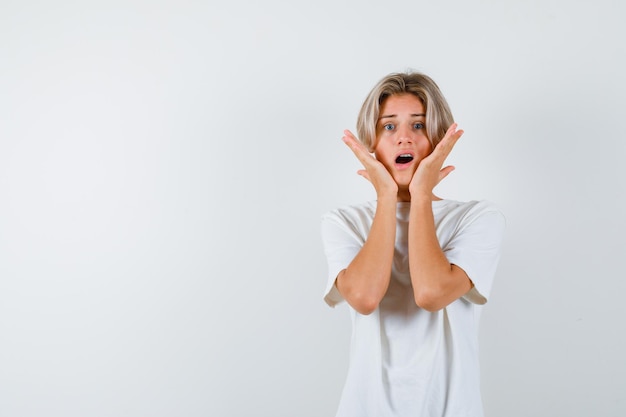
point(401, 104)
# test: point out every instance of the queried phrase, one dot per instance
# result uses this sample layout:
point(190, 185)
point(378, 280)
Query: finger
point(444, 172)
point(444, 147)
point(359, 150)
point(453, 134)
point(364, 174)
point(353, 142)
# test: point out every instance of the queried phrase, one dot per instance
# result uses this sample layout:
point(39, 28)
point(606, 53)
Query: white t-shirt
point(404, 360)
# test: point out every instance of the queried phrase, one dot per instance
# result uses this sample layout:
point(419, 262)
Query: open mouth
point(405, 158)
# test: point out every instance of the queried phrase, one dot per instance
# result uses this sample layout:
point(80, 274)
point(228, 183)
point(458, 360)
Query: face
point(401, 141)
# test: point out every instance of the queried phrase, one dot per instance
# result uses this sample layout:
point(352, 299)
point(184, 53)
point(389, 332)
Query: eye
point(388, 126)
point(418, 126)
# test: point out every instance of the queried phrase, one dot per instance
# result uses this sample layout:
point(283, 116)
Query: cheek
point(383, 159)
point(380, 157)
point(426, 147)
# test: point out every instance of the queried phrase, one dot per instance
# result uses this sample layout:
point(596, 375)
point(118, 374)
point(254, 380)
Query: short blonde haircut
point(438, 114)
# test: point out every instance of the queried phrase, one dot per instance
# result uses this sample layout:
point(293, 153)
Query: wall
point(164, 166)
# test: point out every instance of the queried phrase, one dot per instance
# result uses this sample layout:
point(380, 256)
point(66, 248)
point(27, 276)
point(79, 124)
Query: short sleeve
point(475, 248)
point(342, 243)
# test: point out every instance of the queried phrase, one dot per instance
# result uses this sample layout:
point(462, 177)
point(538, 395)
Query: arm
point(364, 282)
point(436, 282)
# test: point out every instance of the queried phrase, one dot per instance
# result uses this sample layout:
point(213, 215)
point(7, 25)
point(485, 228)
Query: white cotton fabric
point(406, 361)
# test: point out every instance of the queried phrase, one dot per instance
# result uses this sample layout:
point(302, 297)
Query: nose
point(404, 136)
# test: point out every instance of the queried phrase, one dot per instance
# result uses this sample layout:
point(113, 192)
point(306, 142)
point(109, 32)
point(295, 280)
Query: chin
point(404, 179)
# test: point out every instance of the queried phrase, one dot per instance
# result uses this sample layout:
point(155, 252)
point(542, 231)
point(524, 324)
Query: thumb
point(364, 174)
point(445, 171)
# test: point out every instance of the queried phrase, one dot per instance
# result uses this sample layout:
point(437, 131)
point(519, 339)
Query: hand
point(375, 172)
point(429, 172)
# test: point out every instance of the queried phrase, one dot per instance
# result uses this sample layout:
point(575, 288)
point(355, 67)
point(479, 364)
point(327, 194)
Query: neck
point(404, 196)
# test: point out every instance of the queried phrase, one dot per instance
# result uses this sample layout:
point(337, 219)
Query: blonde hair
point(438, 114)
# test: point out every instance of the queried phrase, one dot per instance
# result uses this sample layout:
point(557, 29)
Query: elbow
point(364, 299)
point(364, 304)
point(428, 301)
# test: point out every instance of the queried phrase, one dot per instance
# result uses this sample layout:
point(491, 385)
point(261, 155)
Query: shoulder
point(351, 213)
point(475, 213)
point(354, 221)
point(487, 210)
point(467, 209)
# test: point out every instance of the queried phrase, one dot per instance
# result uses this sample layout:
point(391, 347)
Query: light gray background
point(164, 166)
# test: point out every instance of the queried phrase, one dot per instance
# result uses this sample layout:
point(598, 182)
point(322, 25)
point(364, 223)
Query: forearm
point(365, 281)
point(436, 282)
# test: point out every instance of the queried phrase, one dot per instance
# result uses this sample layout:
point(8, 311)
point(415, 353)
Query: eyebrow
point(389, 116)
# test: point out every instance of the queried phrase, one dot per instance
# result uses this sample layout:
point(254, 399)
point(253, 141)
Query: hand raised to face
point(429, 172)
point(375, 172)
